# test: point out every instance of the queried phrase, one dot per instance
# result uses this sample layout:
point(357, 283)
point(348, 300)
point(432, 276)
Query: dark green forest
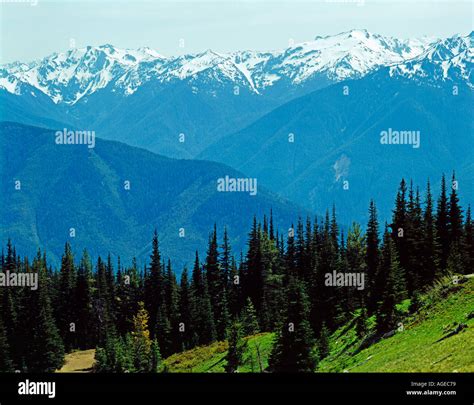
point(137, 316)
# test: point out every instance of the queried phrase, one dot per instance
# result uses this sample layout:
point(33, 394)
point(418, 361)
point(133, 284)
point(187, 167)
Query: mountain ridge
point(68, 77)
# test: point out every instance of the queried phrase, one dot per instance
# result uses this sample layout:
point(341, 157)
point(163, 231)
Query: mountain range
point(333, 96)
point(148, 100)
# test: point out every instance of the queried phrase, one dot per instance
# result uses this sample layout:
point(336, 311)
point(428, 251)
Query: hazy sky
point(30, 31)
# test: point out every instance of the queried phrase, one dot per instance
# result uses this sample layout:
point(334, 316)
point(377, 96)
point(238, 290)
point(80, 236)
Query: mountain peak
point(69, 76)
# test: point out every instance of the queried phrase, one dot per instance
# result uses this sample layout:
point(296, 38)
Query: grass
point(417, 348)
point(78, 362)
point(211, 359)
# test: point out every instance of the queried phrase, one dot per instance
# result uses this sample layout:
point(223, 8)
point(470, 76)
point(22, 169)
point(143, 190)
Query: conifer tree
point(6, 364)
point(172, 306)
point(355, 256)
point(468, 244)
point(414, 240)
point(249, 319)
point(322, 309)
point(185, 309)
point(217, 288)
point(65, 306)
point(201, 310)
point(399, 226)
point(83, 297)
point(234, 289)
point(442, 225)
point(154, 284)
point(46, 349)
point(323, 342)
point(254, 277)
point(455, 219)
point(430, 248)
point(102, 305)
point(155, 357)
point(387, 278)
point(225, 259)
point(141, 340)
point(372, 257)
point(236, 349)
point(293, 350)
point(9, 311)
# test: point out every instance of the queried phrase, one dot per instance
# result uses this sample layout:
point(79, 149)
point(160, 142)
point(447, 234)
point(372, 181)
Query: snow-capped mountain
point(449, 59)
point(69, 77)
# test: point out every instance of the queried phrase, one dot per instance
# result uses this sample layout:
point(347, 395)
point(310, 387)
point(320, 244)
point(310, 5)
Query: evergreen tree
point(294, 347)
point(234, 291)
point(9, 312)
point(236, 348)
point(430, 248)
point(225, 260)
point(455, 220)
point(6, 364)
point(172, 306)
point(414, 240)
point(323, 342)
point(46, 349)
point(66, 307)
point(155, 357)
point(254, 271)
point(83, 297)
point(387, 278)
point(249, 319)
point(185, 310)
point(141, 340)
point(154, 284)
point(372, 257)
point(442, 226)
point(399, 227)
point(217, 288)
point(202, 316)
point(355, 256)
point(468, 244)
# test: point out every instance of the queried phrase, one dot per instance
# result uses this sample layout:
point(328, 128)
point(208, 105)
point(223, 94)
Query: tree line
point(137, 316)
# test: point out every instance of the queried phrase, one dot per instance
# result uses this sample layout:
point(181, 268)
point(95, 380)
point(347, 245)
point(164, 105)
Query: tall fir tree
point(455, 217)
point(65, 306)
point(468, 244)
point(154, 285)
point(234, 357)
point(204, 330)
point(388, 282)
point(217, 288)
point(430, 247)
point(45, 349)
point(372, 257)
point(293, 350)
point(442, 225)
point(185, 310)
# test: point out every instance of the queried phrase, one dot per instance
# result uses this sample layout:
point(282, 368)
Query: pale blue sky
point(33, 31)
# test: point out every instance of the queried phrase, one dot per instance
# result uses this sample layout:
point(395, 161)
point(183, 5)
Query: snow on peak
point(70, 76)
point(448, 59)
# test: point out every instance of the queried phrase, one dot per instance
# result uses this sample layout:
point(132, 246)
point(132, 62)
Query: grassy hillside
point(418, 346)
point(423, 344)
point(207, 359)
point(426, 342)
